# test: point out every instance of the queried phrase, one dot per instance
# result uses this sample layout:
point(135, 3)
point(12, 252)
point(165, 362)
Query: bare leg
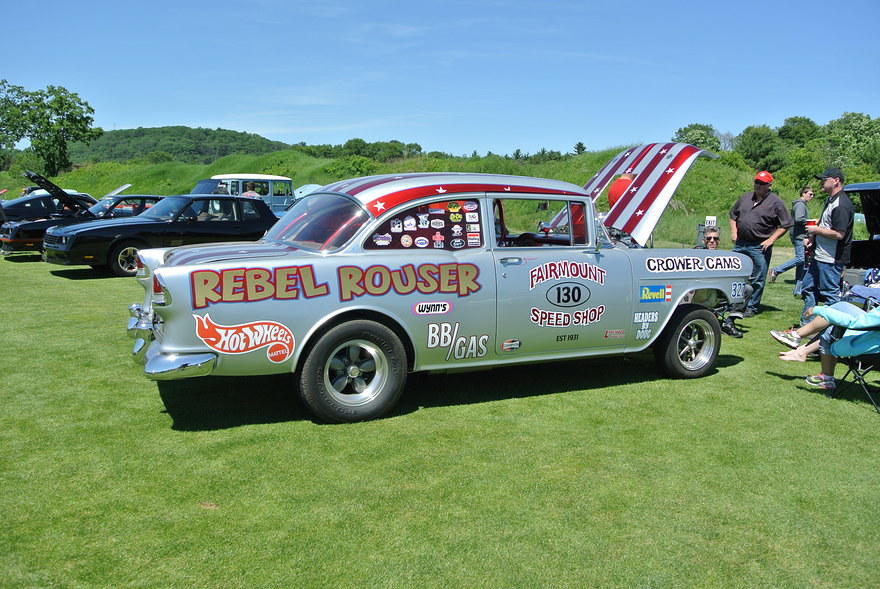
point(800, 353)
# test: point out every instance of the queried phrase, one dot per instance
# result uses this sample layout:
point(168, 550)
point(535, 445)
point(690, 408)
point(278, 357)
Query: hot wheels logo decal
point(247, 337)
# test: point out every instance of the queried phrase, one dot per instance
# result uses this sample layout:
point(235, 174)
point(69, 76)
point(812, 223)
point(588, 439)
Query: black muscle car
point(175, 220)
point(39, 204)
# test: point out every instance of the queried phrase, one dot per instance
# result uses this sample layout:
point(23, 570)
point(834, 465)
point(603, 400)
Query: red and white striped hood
point(658, 169)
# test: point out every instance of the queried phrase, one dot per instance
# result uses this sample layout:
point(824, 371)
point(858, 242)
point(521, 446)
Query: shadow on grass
point(845, 391)
point(220, 402)
point(83, 273)
point(438, 390)
point(216, 402)
point(22, 258)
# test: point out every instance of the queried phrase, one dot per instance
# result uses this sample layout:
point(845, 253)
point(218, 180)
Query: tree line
point(59, 126)
point(795, 151)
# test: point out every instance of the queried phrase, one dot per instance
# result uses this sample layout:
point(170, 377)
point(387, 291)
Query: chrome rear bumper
point(157, 365)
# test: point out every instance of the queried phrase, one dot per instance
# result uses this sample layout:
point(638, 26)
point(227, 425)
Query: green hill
point(183, 144)
point(709, 188)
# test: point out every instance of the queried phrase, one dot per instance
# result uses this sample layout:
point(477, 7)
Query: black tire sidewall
point(113, 258)
point(311, 380)
point(666, 350)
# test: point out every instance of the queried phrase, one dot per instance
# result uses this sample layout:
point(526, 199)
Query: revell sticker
point(657, 293)
point(246, 337)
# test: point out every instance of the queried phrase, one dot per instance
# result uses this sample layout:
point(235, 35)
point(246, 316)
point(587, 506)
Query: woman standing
point(798, 233)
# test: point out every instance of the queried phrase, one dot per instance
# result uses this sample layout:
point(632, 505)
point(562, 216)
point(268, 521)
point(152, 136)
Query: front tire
point(356, 371)
point(690, 343)
point(123, 258)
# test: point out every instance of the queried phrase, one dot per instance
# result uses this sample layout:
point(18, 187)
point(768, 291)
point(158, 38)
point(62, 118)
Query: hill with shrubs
point(171, 160)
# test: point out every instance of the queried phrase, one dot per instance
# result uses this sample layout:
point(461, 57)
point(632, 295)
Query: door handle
point(511, 261)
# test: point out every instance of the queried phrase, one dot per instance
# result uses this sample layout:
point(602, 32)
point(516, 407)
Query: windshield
point(102, 206)
point(167, 208)
point(319, 222)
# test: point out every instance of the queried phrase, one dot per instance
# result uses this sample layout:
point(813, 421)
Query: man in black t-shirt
point(829, 242)
point(757, 220)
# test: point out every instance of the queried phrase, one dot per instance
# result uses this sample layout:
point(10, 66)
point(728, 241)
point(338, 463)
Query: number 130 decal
point(568, 294)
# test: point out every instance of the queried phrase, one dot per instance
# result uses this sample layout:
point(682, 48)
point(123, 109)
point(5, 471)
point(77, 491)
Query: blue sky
point(453, 76)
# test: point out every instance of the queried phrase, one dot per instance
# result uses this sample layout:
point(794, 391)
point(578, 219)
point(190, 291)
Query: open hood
point(658, 169)
point(55, 191)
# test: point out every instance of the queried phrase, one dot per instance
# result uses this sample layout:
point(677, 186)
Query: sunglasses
point(711, 239)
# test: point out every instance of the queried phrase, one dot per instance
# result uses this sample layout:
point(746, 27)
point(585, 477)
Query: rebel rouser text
point(292, 282)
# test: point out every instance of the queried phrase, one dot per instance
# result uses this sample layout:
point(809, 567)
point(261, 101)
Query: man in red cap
point(758, 219)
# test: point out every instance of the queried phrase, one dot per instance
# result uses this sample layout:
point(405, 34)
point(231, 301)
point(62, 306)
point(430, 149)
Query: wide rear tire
point(356, 371)
point(690, 343)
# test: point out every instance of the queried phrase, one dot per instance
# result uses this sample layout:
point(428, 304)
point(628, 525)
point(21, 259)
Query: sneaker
point(730, 328)
point(789, 337)
point(772, 276)
point(821, 381)
point(749, 313)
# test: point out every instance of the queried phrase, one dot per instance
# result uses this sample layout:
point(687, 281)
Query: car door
point(558, 293)
point(434, 270)
point(204, 220)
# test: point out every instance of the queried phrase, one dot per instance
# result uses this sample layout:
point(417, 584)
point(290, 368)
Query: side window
point(539, 223)
point(281, 188)
point(210, 211)
point(126, 208)
point(249, 210)
point(445, 224)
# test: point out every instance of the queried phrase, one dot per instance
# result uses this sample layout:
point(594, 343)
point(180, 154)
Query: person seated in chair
point(726, 313)
point(862, 336)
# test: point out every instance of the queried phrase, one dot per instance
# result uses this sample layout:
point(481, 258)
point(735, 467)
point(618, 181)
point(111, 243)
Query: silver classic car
point(365, 280)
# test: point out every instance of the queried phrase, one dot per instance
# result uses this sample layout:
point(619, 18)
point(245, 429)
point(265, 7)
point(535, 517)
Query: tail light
point(161, 296)
point(140, 268)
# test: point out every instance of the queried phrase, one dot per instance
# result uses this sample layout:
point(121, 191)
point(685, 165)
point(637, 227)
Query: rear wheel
point(123, 258)
point(690, 343)
point(356, 371)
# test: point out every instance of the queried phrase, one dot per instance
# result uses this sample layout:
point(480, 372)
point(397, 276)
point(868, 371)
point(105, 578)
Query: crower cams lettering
point(692, 264)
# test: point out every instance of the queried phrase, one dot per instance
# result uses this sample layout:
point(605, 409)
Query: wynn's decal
point(563, 319)
point(254, 284)
point(247, 337)
point(692, 264)
point(565, 269)
point(428, 308)
point(458, 347)
point(459, 279)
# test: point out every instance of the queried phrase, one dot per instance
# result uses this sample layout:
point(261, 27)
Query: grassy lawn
point(580, 474)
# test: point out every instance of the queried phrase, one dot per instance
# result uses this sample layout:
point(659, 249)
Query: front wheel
point(690, 343)
point(123, 258)
point(355, 371)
